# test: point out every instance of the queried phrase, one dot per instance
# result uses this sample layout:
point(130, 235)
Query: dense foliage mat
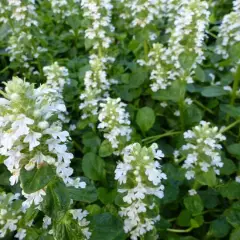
point(120, 119)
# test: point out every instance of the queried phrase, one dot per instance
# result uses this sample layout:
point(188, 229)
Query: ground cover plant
point(119, 119)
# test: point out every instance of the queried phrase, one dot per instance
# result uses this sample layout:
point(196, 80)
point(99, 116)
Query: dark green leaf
point(88, 194)
point(230, 190)
point(219, 228)
point(37, 178)
point(106, 226)
point(93, 166)
point(106, 196)
point(57, 200)
point(234, 149)
point(194, 204)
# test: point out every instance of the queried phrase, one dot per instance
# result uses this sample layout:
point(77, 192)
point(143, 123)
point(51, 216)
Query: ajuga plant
point(90, 90)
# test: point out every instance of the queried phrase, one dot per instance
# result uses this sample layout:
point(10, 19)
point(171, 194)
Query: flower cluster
point(65, 8)
point(21, 12)
point(99, 14)
point(191, 19)
point(114, 121)
point(202, 150)
point(32, 133)
point(229, 33)
point(160, 70)
point(140, 180)
point(96, 86)
point(99, 31)
point(80, 216)
point(57, 76)
point(22, 18)
point(141, 13)
point(10, 214)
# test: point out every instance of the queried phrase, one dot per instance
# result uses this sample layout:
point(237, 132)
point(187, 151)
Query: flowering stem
point(235, 88)
point(146, 50)
point(230, 126)
point(204, 107)
point(181, 103)
point(154, 138)
point(180, 230)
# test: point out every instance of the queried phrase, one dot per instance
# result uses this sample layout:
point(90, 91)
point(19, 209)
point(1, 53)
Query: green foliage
point(145, 118)
point(196, 91)
point(194, 204)
point(93, 167)
point(37, 178)
point(106, 226)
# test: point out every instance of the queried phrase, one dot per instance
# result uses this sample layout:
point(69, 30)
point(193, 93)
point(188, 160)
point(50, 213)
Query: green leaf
point(213, 91)
point(192, 115)
point(194, 204)
point(230, 190)
point(87, 194)
point(145, 118)
point(172, 93)
point(206, 195)
point(228, 168)
point(230, 110)
point(183, 219)
point(57, 200)
point(200, 74)
point(91, 141)
point(105, 149)
point(234, 149)
point(106, 226)
point(93, 166)
point(67, 229)
point(106, 196)
point(37, 178)
point(233, 215)
point(186, 60)
point(235, 235)
point(219, 228)
point(207, 178)
point(93, 209)
point(162, 224)
point(170, 193)
point(196, 222)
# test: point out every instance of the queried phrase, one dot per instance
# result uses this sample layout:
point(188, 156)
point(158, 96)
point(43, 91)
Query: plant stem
point(145, 45)
point(181, 102)
point(77, 145)
point(202, 106)
point(230, 126)
point(154, 138)
point(235, 89)
point(180, 230)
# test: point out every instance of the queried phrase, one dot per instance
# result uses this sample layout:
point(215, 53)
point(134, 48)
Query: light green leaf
point(145, 118)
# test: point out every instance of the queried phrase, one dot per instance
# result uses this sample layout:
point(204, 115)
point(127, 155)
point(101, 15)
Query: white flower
point(33, 198)
point(80, 215)
point(201, 152)
point(21, 234)
point(114, 121)
point(46, 222)
point(237, 179)
point(192, 192)
point(32, 138)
